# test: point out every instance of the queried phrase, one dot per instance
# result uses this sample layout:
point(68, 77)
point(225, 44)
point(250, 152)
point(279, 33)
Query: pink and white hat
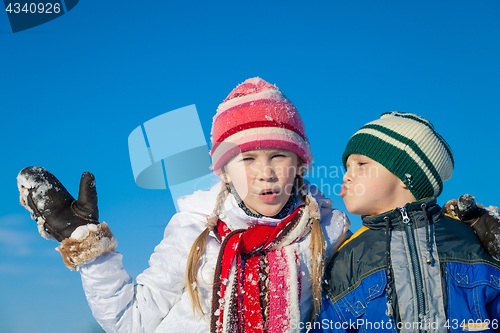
point(257, 115)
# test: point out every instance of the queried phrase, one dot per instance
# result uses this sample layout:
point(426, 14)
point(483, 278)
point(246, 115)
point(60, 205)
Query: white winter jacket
point(157, 302)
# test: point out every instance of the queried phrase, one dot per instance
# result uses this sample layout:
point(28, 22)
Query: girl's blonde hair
point(198, 248)
point(317, 250)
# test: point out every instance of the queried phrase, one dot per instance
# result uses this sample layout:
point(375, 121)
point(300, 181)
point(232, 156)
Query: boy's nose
point(347, 176)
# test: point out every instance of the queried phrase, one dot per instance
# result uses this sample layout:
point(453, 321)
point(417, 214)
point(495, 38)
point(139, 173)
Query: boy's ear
point(411, 197)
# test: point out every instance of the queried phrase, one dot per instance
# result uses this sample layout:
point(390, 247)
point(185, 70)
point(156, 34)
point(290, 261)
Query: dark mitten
point(74, 223)
point(484, 222)
point(50, 204)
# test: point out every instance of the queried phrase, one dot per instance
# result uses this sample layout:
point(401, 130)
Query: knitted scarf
point(257, 278)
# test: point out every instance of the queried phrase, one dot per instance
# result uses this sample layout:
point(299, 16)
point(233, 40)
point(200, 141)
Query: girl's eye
point(246, 159)
point(279, 155)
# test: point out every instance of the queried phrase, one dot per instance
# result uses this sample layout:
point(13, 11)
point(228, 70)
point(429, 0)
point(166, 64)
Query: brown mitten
point(74, 223)
point(58, 214)
point(484, 221)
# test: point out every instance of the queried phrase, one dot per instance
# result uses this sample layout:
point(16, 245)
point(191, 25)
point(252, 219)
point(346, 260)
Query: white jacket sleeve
point(120, 306)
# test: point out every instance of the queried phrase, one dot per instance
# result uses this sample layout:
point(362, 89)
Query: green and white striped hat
point(409, 147)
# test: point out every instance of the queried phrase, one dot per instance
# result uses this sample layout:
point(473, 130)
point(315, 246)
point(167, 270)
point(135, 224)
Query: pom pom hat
point(257, 115)
point(408, 146)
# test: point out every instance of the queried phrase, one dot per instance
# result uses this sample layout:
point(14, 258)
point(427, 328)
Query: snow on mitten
point(484, 221)
point(74, 223)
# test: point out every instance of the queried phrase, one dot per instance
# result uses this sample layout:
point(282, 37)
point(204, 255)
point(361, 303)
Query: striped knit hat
point(257, 115)
point(409, 147)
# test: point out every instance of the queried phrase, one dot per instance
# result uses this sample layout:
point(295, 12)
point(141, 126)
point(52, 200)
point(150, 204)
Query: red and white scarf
point(258, 277)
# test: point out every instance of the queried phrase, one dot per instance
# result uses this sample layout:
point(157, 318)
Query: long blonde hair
point(317, 248)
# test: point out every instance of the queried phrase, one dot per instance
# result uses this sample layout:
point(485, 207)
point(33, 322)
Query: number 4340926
point(47, 8)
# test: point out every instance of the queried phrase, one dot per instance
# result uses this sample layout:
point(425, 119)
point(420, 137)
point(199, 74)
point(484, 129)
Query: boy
point(410, 268)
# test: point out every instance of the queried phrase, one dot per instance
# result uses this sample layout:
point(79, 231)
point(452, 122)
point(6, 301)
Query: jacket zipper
point(415, 263)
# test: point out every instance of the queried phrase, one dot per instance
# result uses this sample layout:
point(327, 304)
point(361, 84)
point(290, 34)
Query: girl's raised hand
point(57, 213)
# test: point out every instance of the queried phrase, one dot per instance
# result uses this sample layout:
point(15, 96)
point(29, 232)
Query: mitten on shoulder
point(485, 221)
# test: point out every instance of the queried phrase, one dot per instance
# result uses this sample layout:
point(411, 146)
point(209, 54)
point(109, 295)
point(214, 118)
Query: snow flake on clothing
point(158, 302)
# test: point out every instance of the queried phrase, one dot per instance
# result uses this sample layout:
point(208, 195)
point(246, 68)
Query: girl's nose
point(268, 172)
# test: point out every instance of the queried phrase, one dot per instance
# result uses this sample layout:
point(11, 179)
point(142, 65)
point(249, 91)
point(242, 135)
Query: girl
point(246, 256)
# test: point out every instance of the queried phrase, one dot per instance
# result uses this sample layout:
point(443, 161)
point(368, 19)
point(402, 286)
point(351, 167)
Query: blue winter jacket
point(412, 269)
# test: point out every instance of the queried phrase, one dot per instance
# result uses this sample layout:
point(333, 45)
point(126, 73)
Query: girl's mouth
point(268, 195)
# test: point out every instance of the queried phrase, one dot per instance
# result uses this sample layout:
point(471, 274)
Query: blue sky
point(73, 89)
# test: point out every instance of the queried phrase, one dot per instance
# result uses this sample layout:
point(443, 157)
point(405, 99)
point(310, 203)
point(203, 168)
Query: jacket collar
point(203, 202)
point(414, 210)
point(236, 218)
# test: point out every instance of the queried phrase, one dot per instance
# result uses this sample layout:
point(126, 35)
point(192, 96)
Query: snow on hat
point(257, 115)
point(409, 147)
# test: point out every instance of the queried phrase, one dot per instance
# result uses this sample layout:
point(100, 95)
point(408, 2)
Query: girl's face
point(263, 178)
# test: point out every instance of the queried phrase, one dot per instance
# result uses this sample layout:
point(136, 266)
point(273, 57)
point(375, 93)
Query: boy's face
point(370, 189)
point(263, 178)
